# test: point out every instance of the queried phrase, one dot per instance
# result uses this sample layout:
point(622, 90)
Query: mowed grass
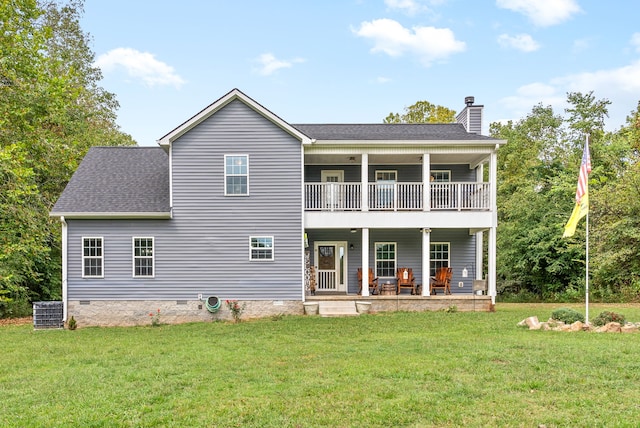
point(379, 370)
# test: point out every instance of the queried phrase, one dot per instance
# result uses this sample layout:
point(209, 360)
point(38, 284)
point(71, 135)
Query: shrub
point(567, 315)
point(606, 317)
point(73, 324)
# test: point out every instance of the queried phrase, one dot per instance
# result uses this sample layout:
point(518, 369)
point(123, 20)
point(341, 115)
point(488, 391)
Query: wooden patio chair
point(442, 280)
point(405, 279)
point(373, 282)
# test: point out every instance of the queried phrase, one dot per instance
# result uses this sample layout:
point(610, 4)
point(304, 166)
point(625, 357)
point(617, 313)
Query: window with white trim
point(439, 256)
point(260, 248)
point(440, 176)
point(385, 259)
point(92, 258)
point(143, 257)
point(236, 175)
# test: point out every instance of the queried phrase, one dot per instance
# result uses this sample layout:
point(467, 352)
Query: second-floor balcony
point(395, 196)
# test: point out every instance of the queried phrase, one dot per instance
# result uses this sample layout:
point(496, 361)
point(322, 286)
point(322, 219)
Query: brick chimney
point(471, 116)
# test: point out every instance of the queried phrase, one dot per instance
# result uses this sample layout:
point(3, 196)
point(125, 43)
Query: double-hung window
point(385, 259)
point(439, 256)
point(261, 248)
point(143, 257)
point(236, 175)
point(92, 258)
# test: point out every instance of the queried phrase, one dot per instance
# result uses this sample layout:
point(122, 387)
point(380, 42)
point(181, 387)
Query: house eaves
point(112, 215)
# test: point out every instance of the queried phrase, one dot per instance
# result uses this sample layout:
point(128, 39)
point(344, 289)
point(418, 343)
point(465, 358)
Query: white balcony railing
point(392, 196)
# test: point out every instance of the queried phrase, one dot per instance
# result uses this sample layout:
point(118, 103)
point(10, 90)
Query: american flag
point(585, 169)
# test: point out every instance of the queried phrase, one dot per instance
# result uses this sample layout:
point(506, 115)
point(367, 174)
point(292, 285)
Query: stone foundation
point(111, 313)
point(409, 303)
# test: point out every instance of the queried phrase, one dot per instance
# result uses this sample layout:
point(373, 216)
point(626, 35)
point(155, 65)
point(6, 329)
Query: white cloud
point(624, 79)
point(410, 7)
point(413, 7)
point(531, 94)
point(580, 45)
point(521, 42)
point(429, 44)
point(618, 85)
point(382, 80)
point(635, 41)
point(140, 65)
point(269, 64)
point(543, 13)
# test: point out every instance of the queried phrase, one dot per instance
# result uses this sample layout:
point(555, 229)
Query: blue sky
point(355, 61)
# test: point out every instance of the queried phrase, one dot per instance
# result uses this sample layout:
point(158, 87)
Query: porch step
point(342, 308)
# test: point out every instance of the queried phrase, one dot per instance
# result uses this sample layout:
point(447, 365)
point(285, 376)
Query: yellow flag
point(579, 210)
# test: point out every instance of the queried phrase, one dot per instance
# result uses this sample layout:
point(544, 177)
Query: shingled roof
point(390, 132)
point(122, 181)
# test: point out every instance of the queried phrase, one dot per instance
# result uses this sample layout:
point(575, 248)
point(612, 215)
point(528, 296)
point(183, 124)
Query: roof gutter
point(113, 215)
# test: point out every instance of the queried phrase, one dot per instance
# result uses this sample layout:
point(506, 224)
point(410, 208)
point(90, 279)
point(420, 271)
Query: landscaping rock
point(613, 327)
point(555, 325)
point(533, 323)
point(576, 326)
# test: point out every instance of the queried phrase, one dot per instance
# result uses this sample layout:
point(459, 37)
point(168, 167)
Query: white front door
point(330, 260)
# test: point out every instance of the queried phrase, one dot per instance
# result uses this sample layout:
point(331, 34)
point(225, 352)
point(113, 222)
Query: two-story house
point(238, 204)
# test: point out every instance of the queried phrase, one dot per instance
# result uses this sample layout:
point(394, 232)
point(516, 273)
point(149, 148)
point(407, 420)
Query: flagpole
point(587, 273)
point(586, 268)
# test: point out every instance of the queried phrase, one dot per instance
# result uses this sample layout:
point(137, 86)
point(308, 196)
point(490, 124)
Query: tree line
point(52, 110)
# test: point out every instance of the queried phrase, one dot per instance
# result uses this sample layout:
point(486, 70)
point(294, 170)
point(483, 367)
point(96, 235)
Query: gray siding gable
point(118, 180)
point(204, 247)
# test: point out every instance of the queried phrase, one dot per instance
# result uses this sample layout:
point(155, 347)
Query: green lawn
point(386, 370)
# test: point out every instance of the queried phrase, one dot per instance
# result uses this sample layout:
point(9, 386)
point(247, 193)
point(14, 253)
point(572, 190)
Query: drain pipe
point(64, 268)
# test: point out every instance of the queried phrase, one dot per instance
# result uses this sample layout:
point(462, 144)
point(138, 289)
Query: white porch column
point(479, 235)
point(364, 179)
point(426, 262)
point(426, 182)
point(493, 179)
point(491, 274)
point(479, 254)
point(365, 262)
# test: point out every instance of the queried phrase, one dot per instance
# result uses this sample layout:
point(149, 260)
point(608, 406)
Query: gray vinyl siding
point(204, 248)
point(406, 173)
point(475, 120)
point(408, 252)
point(471, 119)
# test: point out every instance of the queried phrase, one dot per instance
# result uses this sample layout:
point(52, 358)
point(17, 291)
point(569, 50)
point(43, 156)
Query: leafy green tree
point(616, 226)
point(423, 112)
point(51, 111)
point(537, 176)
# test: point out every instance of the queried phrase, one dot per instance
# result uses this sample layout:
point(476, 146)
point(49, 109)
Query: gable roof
point(391, 132)
point(118, 182)
point(212, 108)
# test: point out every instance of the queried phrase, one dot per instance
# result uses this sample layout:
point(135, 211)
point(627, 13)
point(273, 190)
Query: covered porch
point(337, 258)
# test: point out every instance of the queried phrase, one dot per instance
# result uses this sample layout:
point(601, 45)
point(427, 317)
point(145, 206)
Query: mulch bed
point(16, 321)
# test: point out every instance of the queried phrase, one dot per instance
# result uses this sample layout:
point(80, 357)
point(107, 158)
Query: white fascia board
point(485, 143)
point(112, 215)
point(235, 94)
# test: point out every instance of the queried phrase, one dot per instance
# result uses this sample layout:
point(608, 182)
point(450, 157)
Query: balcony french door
point(332, 190)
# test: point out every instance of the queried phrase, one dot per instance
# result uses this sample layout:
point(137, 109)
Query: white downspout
point(64, 268)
